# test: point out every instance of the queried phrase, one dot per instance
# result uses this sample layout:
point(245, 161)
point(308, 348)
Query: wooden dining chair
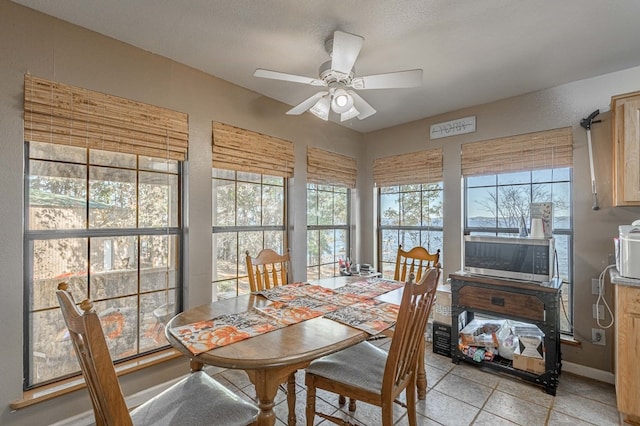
point(267, 270)
point(196, 400)
point(367, 373)
point(415, 261)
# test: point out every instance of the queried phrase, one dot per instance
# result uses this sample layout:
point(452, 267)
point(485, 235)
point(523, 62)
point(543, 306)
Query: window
point(409, 204)
point(248, 215)
point(327, 229)
point(495, 205)
point(109, 225)
point(410, 215)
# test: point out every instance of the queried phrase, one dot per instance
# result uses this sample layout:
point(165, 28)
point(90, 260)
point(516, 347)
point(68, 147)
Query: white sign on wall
point(453, 127)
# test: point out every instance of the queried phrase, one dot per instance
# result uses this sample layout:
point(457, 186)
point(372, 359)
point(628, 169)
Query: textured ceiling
point(471, 51)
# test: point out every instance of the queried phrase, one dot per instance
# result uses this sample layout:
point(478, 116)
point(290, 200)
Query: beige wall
point(34, 43)
point(561, 106)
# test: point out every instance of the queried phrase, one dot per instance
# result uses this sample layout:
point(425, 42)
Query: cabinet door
point(626, 140)
point(627, 355)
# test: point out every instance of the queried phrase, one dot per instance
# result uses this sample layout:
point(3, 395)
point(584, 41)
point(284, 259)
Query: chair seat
point(361, 366)
point(196, 400)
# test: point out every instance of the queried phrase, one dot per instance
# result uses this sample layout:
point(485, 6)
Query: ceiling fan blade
point(361, 105)
point(306, 104)
point(276, 75)
point(390, 80)
point(345, 51)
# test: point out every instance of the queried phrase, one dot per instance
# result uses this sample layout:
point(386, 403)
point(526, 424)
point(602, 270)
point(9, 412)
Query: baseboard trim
point(592, 373)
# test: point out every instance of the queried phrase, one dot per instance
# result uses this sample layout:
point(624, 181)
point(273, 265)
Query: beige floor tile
point(487, 419)
point(464, 389)
point(588, 388)
point(515, 409)
point(462, 395)
point(560, 419)
point(474, 373)
point(586, 409)
point(446, 410)
point(525, 391)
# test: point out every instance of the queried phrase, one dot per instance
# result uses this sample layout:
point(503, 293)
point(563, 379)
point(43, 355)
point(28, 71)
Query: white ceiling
point(471, 51)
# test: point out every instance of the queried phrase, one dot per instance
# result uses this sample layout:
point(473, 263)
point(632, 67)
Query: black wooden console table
point(523, 301)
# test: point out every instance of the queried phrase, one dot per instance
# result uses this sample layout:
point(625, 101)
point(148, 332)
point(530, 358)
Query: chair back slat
point(95, 361)
point(267, 270)
point(415, 261)
point(408, 337)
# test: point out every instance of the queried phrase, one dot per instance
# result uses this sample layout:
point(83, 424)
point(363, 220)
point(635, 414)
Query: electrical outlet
point(597, 336)
point(595, 287)
point(599, 310)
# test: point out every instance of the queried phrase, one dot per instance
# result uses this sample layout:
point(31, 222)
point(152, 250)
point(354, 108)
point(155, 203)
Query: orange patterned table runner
point(352, 304)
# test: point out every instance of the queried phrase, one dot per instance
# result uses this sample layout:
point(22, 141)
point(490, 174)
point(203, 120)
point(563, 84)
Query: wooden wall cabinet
point(627, 355)
point(625, 113)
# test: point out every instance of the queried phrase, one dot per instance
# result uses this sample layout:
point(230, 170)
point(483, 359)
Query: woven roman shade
point(530, 151)
point(67, 115)
point(406, 169)
point(328, 168)
point(247, 151)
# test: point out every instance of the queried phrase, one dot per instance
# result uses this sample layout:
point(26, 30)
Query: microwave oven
point(519, 258)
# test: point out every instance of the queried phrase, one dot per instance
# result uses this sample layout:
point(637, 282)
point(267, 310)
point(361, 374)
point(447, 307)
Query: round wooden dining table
point(270, 358)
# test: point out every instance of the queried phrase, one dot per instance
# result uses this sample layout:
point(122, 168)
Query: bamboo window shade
point(406, 169)
point(328, 168)
point(67, 115)
point(246, 151)
point(530, 151)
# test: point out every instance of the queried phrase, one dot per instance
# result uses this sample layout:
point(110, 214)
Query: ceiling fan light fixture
point(341, 102)
point(352, 113)
point(321, 108)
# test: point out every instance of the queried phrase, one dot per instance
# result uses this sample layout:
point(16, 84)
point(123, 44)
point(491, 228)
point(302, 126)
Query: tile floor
point(464, 395)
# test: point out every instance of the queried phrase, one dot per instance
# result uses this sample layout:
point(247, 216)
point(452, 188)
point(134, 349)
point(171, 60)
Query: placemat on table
point(202, 336)
point(372, 316)
point(368, 289)
point(301, 309)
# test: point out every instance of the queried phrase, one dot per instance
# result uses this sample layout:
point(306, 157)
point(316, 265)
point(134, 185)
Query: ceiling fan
point(338, 76)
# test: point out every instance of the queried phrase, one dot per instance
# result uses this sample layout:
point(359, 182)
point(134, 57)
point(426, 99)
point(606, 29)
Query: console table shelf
point(523, 301)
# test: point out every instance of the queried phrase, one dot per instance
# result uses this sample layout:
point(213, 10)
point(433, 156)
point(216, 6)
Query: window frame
point(31, 236)
point(567, 285)
point(335, 227)
point(424, 187)
point(240, 254)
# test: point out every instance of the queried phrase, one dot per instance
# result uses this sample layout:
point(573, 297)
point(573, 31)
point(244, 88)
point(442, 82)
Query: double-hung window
point(410, 200)
point(249, 183)
point(108, 223)
point(502, 177)
point(248, 215)
point(331, 177)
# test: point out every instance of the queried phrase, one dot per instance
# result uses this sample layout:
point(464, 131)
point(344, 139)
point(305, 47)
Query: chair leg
point(310, 411)
point(195, 365)
point(352, 404)
point(421, 382)
point(291, 398)
point(387, 413)
point(342, 400)
point(410, 392)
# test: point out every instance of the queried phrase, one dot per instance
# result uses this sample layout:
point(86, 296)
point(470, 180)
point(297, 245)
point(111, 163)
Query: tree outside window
point(248, 215)
point(497, 204)
point(108, 224)
point(327, 229)
point(410, 215)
